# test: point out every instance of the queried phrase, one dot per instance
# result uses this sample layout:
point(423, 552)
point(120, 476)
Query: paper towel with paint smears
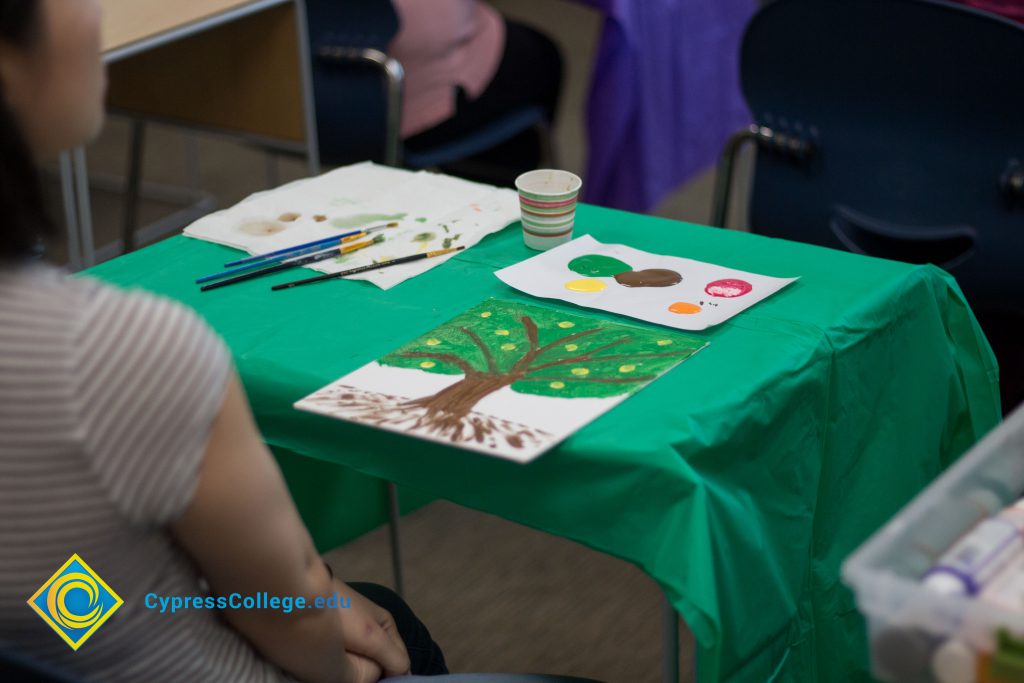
point(667, 290)
point(432, 211)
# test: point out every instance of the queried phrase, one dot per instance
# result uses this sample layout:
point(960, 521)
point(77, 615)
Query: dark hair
point(23, 217)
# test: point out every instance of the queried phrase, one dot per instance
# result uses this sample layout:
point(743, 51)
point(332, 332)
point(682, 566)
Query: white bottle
point(980, 554)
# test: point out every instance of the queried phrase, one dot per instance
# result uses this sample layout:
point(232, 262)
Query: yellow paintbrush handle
point(349, 248)
point(353, 238)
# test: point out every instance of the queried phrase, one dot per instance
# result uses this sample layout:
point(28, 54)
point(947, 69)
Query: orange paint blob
point(684, 307)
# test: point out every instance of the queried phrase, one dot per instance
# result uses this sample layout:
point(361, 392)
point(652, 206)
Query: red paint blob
point(728, 288)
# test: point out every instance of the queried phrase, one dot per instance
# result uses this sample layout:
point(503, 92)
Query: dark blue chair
point(893, 128)
point(358, 92)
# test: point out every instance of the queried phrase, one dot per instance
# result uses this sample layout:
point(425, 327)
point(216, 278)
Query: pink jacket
point(1013, 9)
point(443, 44)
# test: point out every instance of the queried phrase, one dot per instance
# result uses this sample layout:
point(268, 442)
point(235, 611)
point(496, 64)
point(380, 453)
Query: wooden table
point(236, 66)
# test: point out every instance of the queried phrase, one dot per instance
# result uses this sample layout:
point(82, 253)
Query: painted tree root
point(417, 416)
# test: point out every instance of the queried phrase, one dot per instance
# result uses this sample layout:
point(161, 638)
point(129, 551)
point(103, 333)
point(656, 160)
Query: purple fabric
point(665, 95)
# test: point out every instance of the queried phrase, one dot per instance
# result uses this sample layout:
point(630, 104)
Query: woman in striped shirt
point(125, 437)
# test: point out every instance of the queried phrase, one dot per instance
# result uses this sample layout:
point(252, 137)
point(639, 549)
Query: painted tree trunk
point(447, 409)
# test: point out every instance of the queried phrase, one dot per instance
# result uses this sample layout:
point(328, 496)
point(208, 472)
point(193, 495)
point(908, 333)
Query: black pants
point(530, 73)
point(425, 657)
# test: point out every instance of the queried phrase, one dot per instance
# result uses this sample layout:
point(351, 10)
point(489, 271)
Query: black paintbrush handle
point(351, 271)
point(372, 266)
point(305, 260)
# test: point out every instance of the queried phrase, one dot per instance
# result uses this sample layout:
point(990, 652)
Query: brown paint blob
point(652, 277)
point(289, 217)
point(261, 228)
point(319, 218)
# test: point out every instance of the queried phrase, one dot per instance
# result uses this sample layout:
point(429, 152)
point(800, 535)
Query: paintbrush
point(296, 262)
point(315, 244)
point(319, 248)
point(372, 266)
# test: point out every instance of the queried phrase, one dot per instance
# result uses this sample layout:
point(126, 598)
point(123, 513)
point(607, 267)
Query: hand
point(363, 670)
point(370, 633)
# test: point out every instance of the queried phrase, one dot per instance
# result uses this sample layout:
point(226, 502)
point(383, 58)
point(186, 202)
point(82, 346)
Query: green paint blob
point(595, 265)
point(365, 220)
point(421, 220)
point(424, 237)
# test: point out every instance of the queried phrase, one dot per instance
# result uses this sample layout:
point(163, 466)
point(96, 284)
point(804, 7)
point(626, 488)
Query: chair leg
point(394, 515)
point(67, 191)
point(273, 173)
point(81, 174)
point(548, 146)
point(724, 175)
point(131, 195)
point(670, 643)
point(193, 169)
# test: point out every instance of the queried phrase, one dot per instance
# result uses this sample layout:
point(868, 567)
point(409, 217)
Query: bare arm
point(244, 532)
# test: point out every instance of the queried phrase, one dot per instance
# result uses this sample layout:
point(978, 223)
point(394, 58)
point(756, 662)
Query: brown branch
point(599, 380)
point(583, 357)
point(601, 359)
point(565, 340)
point(531, 332)
point(460, 363)
point(492, 367)
point(530, 328)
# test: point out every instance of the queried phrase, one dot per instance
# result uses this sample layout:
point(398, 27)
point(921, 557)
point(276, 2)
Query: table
point(739, 481)
point(161, 54)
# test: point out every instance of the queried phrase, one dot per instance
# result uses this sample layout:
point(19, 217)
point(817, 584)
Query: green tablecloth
point(738, 481)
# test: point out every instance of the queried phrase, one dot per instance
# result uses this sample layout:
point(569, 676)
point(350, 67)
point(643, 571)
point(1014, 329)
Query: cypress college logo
point(75, 602)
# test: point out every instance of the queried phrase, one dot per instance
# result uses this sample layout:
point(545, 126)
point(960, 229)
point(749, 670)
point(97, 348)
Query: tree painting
point(531, 350)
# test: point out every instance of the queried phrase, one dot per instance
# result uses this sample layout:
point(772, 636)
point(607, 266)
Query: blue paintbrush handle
point(290, 251)
point(271, 259)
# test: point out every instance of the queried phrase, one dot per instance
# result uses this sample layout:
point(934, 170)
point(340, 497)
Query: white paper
point(551, 420)
point(507, 379)
point(433, 211)
point(699, 301)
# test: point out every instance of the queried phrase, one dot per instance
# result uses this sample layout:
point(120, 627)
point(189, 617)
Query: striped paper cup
point(547, 200)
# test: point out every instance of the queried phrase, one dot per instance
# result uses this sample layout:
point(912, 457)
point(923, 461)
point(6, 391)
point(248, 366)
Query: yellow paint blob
point(566, 324)
point(508, 347)
point(433, 342)
point(580, 372)
point(684, 308)
point(501, 333)
point(571, 347)
point(627, 368)
point(557, 385)
point(664, 342)
point(427, 364)
point(585, 285)
point(485, 314)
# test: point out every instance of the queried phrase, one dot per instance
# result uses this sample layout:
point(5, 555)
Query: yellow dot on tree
point(664, 342)
point(580, 372)
point(485, 314)
point(557, 385)
point(571, 347)
point(565, 324)
point(501, 333)
point(627, 368)
point(508, 347)
point(433, 342)
point(427, 364)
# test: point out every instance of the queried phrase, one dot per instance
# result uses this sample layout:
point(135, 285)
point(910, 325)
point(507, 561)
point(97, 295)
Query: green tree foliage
point(540, 351)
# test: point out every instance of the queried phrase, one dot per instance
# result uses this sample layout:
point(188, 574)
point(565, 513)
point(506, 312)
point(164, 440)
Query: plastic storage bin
point(917, 635)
